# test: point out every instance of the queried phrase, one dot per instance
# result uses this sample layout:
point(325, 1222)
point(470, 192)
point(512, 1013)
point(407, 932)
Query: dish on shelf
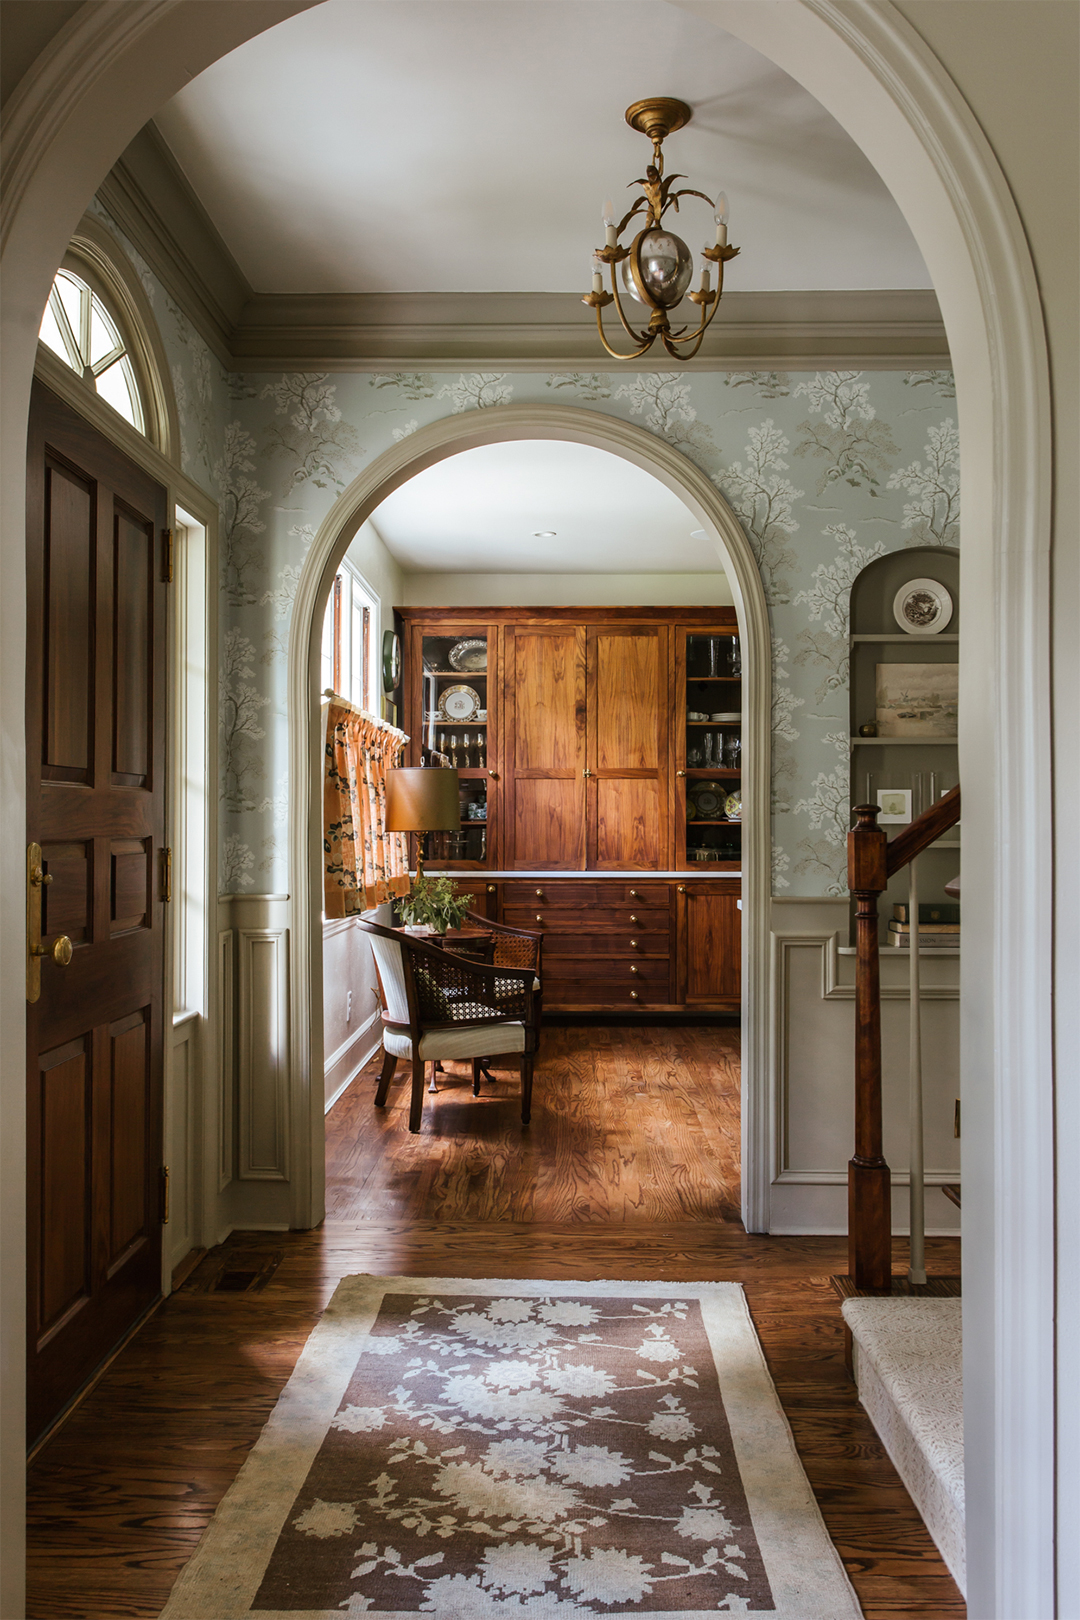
point(729, 719)
point(459, 703)
point(733, 806)
point(469, 656)
point(922, 607)
point(707, 799)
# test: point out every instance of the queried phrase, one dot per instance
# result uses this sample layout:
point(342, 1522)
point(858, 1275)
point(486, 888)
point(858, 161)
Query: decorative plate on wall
point(459, 703)
point(391, 660)
point(469, 656)
point(922, 607)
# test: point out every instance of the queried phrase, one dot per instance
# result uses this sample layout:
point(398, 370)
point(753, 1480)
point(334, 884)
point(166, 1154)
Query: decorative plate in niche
point(922, 607)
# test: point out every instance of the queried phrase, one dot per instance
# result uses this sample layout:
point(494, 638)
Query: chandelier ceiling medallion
point(657, 266)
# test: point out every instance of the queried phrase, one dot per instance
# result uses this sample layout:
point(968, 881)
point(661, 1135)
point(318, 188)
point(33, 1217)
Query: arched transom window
point(80, 329)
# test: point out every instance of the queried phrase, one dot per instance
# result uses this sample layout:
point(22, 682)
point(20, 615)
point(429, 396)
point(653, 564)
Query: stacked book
point(939, 927)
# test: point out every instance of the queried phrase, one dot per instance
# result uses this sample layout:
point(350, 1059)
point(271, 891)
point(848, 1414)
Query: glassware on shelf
point(732, 754)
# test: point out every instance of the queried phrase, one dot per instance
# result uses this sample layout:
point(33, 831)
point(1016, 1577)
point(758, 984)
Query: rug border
point(784, 1512)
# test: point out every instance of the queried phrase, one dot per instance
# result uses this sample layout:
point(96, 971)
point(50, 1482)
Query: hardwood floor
point(630, 1169)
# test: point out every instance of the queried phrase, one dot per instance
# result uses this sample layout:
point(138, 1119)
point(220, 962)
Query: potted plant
point(434, 903)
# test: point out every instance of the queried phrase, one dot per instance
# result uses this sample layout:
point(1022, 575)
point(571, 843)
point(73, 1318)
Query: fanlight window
point(78, 327)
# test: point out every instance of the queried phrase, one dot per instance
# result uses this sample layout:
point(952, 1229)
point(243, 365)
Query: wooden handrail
point(924, 831)
point(871, 862)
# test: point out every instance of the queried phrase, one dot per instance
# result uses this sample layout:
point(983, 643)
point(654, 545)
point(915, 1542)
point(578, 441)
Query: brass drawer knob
point(634, 895)
point(539, 894)
point(633, 944)
point(633, 918)
point(538, 917)
point(491, 888)
point(633, 995)
point(633, 967)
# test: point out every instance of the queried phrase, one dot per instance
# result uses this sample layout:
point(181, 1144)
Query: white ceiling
point(466, 146)
point(479, 511)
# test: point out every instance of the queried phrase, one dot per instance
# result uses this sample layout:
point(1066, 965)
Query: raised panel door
point(544, 719)
point(710, 944)
point(629, 756)
point(96, 638)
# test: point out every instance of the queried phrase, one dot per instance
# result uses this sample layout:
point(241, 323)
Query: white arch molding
point(353, 507)
point(110, 68)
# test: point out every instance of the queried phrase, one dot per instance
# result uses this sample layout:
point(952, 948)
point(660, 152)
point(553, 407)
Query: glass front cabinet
point(708, 745)
point(451, 713)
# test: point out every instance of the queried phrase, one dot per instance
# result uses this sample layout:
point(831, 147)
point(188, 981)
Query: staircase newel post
point(869, 1181)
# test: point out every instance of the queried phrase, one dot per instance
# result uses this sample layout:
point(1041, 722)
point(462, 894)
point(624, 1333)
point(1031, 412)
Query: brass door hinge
point(166, 874)
point(167, 556)
point(163, 1196)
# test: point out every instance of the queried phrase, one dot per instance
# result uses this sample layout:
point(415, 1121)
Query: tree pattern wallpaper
point(825, 471)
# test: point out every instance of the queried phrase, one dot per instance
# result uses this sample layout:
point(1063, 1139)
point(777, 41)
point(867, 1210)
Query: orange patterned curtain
point(363, 864)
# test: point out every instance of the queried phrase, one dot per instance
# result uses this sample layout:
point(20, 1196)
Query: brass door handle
point(586, 772)
point(680, 773)
point(494, 775)
point(682, 888)
point(60, 950)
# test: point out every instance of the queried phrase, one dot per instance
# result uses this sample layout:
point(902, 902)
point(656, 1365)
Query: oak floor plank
point(629, 1169)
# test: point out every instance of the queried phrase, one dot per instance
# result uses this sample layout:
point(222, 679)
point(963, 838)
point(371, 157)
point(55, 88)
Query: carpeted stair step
point(909, 1372)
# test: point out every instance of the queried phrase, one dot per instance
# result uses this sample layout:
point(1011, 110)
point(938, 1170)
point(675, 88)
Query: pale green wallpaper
point(826, 470)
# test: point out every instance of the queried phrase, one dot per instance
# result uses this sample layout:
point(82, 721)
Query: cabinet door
point(451, 684)
point(710, 944)
point(543, 752)
point(629, 814)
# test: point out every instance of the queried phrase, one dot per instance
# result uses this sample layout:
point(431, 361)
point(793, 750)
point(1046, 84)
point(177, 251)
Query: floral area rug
point(468, 1449)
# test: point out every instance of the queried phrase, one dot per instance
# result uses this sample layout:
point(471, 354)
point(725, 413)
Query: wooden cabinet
point(709, 925)
point(582, 762)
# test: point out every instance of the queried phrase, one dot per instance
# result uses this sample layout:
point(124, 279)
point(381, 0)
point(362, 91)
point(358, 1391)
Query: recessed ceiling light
point(544, 534)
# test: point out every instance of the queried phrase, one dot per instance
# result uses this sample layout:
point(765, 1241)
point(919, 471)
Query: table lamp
point(422, 799)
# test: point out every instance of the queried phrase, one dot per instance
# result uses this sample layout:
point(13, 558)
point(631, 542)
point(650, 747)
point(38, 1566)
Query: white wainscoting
point(182, 1143)
point(812, 1064)
point(352, 1028)
point(263, 1067)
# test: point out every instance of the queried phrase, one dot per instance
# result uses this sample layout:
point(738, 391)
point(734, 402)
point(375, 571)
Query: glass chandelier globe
point(667, 266)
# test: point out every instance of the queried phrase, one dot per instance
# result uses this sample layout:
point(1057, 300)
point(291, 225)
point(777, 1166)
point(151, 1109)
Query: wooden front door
point(629, 817)
point(543, 749)
point(95, 713)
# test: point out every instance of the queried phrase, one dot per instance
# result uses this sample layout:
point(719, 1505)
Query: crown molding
point(150, 198)
point(153, 203)
point(444, 331)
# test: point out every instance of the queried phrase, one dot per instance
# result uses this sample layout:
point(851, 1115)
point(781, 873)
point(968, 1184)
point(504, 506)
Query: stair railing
point(872, 861)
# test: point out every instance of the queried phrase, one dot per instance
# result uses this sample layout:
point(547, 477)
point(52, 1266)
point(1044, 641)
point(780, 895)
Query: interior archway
point(68, 122)
point(387, 473)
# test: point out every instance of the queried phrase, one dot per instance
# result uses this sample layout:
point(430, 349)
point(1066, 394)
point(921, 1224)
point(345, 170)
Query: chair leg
point(485, 1069)
point(416, 1105)
point(435, 1068)
point(383, 1088)
point(477, 1064)
point(526, 1086)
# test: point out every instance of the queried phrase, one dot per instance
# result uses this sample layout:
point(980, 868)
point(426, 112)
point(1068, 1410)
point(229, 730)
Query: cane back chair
point(438, 1005)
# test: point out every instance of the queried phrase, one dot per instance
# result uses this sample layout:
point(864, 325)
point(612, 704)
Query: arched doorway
point(353, 507)
point(68, 122)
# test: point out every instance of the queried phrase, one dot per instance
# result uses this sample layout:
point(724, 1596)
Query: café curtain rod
point(330, 696)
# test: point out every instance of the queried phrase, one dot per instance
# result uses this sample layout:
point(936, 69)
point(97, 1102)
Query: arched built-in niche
point(702, 498)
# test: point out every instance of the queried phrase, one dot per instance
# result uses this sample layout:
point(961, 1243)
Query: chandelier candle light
point(657, 267)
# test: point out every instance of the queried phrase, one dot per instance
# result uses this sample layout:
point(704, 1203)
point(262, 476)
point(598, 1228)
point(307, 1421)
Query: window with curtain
point(363, 864)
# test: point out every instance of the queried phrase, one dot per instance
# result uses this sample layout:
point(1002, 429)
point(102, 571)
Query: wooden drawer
point(616, 943)
point(600, 920)
point(553, 892)
point(607, 982)
point(635, 895)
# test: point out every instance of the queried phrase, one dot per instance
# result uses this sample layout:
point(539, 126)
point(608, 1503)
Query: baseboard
point(355, 1053)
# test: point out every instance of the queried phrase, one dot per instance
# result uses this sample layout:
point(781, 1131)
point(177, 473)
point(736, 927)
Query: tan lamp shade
point(422, 798)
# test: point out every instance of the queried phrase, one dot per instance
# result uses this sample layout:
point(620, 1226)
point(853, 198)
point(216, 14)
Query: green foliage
point(434, 903)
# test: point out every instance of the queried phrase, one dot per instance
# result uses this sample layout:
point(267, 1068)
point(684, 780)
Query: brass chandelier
point(657, 266)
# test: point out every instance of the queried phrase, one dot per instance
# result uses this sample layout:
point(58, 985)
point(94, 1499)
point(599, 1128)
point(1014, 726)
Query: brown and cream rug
point(470, 1449)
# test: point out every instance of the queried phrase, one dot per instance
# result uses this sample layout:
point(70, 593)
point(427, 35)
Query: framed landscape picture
point(917, 700)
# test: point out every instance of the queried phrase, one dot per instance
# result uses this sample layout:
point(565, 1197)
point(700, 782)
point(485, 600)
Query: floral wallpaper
point(825, 470)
